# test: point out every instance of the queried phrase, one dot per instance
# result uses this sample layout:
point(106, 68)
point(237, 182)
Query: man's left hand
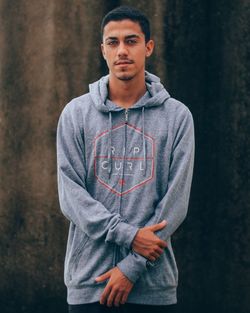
point(117, 288)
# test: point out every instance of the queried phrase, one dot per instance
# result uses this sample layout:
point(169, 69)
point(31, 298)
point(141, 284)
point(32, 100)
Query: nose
point(122, 50)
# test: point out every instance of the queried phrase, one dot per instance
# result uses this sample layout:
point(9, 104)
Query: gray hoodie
point(120, 170)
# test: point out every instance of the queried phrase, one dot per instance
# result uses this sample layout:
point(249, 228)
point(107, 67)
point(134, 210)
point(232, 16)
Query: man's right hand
point(147, 244)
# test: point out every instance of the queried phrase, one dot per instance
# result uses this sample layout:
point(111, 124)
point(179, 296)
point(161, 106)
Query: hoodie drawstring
point(109, 144)
point(144, 143)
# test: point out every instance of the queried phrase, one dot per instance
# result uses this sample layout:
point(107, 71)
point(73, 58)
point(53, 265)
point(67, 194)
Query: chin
point(125, 76)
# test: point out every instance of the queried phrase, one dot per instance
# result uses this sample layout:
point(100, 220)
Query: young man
point(125, 154)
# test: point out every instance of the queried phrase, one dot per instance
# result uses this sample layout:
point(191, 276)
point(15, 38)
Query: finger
point(163, 244)
point(105, 294)
point(158, 226)
point(151, 258)
point(124, 297)
point(117, 300)
point(159, 250)
point(111, 297)
point(103, 276)
point(156, 255)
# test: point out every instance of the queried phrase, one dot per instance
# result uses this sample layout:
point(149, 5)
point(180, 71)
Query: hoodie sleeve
point(173, 206)
point(77, 205)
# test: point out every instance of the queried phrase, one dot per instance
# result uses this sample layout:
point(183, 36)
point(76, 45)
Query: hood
point(99, 94)
point(156, 95)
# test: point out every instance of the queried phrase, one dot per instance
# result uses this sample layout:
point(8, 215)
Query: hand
point(117, 288)
point(147, 244)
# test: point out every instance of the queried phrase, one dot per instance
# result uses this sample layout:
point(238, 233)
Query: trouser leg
point(94, 307)
point(142, 308)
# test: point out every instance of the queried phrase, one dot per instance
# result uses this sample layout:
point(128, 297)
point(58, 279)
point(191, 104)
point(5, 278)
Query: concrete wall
point(49, 52)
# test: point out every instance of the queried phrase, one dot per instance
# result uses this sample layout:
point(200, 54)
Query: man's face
point(124, 49)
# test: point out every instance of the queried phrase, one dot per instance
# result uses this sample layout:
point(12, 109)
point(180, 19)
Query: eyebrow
point(126, 37)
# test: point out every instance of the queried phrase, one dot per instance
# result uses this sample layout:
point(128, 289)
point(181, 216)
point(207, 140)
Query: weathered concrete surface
point(49, 53)
point(48, 56)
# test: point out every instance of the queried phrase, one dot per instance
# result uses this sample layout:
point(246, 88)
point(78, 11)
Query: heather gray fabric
point(119, 170)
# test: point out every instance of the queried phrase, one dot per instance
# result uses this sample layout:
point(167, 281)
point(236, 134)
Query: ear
point(149, 48)
point(103, 50)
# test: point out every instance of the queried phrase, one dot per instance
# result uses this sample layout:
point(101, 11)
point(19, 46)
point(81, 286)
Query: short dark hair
point(126, 12)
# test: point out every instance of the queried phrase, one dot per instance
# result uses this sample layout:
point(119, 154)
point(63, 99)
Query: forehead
point(122, 29)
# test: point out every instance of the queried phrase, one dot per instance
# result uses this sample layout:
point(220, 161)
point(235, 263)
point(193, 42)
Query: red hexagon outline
point(150, 158)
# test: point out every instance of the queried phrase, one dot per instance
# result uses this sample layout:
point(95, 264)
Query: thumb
point(103, 276)
point(158, 226)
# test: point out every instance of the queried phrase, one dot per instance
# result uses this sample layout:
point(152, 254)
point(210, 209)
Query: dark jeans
point(96, 307)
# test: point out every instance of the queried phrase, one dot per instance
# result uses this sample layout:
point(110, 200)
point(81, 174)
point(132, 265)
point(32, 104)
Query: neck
point(125, 93)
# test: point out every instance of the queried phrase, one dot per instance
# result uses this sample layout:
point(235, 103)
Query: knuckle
point(120, 288)
point(125, 295)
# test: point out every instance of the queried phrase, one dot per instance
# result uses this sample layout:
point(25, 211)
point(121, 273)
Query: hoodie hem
point(90, 294)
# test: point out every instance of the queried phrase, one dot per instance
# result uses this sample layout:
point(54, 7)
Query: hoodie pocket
point(91, 259)
point(78, 244)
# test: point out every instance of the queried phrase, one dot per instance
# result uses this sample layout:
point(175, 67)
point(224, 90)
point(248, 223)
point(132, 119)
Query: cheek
point(109, 57)
point(109, 61)
point(140, 53)
point(141, 56)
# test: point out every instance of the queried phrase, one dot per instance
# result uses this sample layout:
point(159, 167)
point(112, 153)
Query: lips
point(123, 62)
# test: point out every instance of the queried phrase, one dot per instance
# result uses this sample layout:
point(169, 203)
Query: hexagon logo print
point(128, 169)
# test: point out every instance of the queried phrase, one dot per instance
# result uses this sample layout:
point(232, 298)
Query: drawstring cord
point(109, 144)
point(144, 143)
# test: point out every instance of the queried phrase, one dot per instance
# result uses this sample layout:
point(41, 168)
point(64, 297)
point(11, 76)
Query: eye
point(112, 43)
point(131, 41)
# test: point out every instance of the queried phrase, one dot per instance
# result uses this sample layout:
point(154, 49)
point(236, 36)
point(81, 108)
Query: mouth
point(123, 62)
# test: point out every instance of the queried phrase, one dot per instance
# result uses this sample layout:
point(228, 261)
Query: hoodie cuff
point(132, 266)
point(123, 235)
